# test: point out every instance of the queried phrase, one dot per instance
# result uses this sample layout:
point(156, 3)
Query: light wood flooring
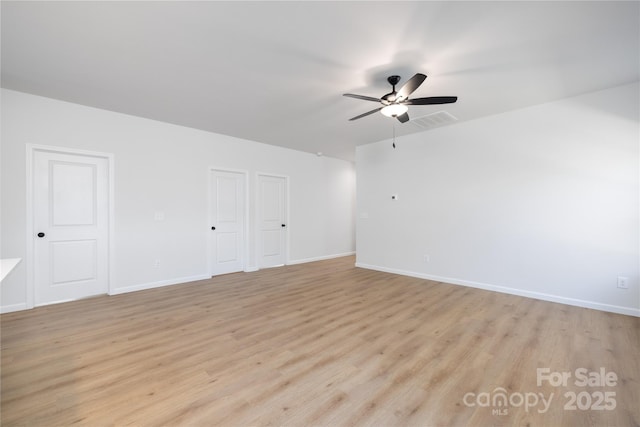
point(317, 344)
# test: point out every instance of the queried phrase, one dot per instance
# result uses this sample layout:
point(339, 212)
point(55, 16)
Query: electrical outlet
point(156, 263)
point(623, 282)
point(427, 258)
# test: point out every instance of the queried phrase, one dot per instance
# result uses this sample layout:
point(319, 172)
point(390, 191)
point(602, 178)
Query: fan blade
point(366, 114)
point(366, 98)
point(431, 100)
point(403, 118)
point(412, 84)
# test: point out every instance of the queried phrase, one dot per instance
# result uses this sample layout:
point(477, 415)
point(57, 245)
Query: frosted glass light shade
point(394, 110)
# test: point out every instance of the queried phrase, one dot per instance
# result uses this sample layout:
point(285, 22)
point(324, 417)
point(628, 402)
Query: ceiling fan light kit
point(395, 103)
point(394, 110)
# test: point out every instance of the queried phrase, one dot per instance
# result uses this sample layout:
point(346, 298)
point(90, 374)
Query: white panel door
point(272, 204)
point(71, 226)
point(227, 200)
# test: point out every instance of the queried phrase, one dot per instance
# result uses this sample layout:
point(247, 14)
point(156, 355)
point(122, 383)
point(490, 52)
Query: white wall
point(163, 167)
point(541, 202)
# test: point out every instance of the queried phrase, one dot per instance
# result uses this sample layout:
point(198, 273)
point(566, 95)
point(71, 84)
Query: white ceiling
point(275, 72)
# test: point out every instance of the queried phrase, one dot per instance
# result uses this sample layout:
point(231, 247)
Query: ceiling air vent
point(433, 120)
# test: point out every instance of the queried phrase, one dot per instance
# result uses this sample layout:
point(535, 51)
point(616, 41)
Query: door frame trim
point(287, 242)
point(245, 243)
point(31, 149)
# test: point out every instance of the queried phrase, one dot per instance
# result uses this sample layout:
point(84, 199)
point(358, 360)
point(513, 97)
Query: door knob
point(40, 234)
point(284, 225)
point(213, 228)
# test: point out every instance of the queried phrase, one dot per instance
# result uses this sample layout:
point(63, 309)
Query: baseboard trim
point(13, 307)
point(159, 284)
point(176, 281)
point(629, 311)
point(319, 258)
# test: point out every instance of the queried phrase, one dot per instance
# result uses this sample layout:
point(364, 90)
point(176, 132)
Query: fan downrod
point(391, 96)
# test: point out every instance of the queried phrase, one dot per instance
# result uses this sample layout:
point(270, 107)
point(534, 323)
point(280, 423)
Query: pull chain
point(394, 136)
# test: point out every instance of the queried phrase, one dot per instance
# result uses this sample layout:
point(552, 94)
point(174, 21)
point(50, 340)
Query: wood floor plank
point(317, 344)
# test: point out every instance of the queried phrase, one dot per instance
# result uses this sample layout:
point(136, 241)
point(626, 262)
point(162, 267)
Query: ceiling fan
point(394, 104)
